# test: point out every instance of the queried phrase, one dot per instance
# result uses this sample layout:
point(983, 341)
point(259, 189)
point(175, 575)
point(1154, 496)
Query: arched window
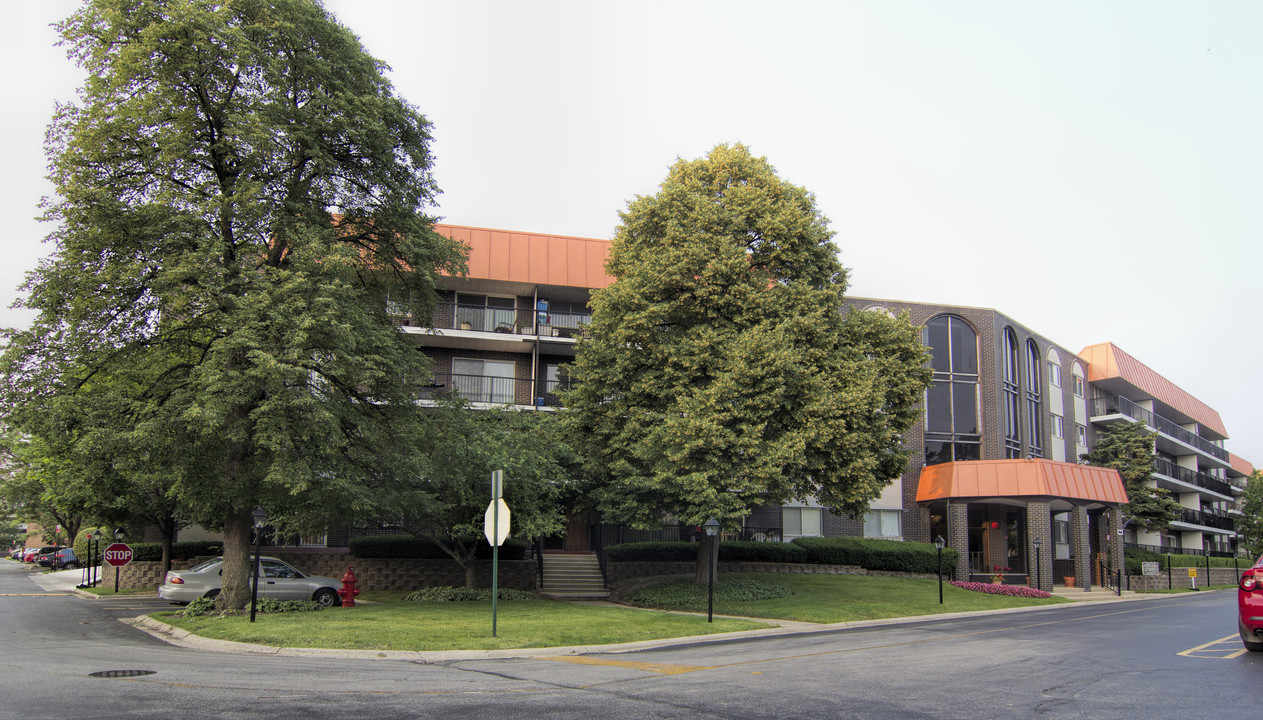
point(951, 403)
point(1010, 389)
point(1034, 435)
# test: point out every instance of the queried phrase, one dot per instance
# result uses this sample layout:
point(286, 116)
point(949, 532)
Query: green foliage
point(1136, 556)
point(200, 606)
point(687, 552)
point(719, 372)
point(81, 543)
point(237, 191)
point(407, 546)
point(272, 605)
point(464, 594)
point(873, 554)
point(1128, 448)
point(152, 552)
point(1249, 524)
point(683, 592)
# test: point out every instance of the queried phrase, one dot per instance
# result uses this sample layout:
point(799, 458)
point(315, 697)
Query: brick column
point(1039, 527)
point(958, 536)
point(1079, 540)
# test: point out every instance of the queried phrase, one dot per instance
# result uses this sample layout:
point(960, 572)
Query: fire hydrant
point(349, 591)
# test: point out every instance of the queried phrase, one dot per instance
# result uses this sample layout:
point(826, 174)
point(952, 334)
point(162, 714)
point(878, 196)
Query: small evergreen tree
point(1250, 524)
point(1128, 448)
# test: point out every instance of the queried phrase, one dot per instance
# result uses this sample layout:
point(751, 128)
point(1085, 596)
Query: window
point(1058, 427)
point(951, 403)
point(883, 523)
point(556, 377)
point(1012, 423)
point(801, 521)
point(1078, 386)
point(485, 312)
point(1061, 532)
point(1034, 430)
point(1081, 433)
point(489, 381)
point(1054, 374)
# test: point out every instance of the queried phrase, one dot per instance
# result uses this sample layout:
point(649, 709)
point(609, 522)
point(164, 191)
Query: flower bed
point(1013, 590)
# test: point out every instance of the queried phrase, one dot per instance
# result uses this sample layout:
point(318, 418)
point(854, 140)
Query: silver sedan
point(276, 580)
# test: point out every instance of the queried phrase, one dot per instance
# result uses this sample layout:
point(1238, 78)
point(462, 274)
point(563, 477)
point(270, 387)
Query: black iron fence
point(604, 535)
point(496, 389)
point(1116, 405)
point(1221, 551)
point(1214, 484)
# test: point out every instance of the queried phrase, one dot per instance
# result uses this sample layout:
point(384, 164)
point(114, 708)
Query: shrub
point(873, 554)
point(664, 551)
point(150, 551)
point(1011, 590)
point(761, 552)
point(455, 594)
point(687, 552)
point(200, 606)
point(407, 546)
point(684, 592)
point(1136, 556)
point(272, 605)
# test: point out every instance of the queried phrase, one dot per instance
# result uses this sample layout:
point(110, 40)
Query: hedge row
point(407, 546)
point(1135, 557)
point(890, 555)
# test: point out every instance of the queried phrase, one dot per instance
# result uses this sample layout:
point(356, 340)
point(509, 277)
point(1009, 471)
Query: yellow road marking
point(660, 668)
point(1235, 651)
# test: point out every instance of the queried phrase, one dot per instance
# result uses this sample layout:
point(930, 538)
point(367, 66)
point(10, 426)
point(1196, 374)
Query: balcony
point(1205, 519)
point(485, 319)
point(1190, 477)
point(496, 390)
point(1116, 405)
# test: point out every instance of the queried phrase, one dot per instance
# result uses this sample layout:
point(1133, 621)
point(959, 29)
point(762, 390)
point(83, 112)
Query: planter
point(1069, 581)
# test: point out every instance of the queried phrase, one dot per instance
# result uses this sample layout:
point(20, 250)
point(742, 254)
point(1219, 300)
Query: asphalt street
point(1170, 657)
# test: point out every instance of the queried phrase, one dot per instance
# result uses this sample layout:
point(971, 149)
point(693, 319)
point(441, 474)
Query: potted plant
point(1069, 580)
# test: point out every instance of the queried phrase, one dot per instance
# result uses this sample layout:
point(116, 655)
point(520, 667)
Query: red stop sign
point(118, 554)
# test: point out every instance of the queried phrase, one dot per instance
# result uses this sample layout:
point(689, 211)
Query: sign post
point(1192, 576)
point(496, 528)
point(118, 555)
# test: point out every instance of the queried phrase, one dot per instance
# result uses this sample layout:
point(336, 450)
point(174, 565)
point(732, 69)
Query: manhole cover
point(121, 673)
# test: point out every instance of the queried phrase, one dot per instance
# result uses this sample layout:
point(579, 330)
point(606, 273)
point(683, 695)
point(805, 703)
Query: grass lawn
point(394, 624)
point(844, 598)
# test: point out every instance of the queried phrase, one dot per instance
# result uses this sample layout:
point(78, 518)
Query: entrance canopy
point(1020, 478)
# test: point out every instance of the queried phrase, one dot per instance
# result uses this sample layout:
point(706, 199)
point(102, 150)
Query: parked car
point(32, 553)
point(276, 580)
point(64, 559)
point(45, 555)
point(1250, 607)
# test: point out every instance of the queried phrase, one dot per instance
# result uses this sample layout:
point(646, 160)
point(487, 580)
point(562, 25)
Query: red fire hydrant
point(349, 591)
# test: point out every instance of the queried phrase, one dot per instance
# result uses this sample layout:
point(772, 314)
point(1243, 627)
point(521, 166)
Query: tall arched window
point(1034, 435)
point(951, 403)
point(1011, 392)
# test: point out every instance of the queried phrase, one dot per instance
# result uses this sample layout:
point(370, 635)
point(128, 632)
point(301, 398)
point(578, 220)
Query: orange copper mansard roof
point(532, 257)
point(1020, 478)
point(1106, 361)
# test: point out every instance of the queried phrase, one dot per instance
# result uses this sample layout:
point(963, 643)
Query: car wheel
point(72, 566)
point(212, 594)
point(327, 597)
point(1247, 640)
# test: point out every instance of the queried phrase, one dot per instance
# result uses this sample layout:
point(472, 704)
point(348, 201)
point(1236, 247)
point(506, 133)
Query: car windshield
point(206, 565)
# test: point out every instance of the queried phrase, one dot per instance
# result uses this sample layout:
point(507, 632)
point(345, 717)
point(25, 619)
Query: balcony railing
point(1205, 519)
point(1218, 549)
point(1201, 480)
point(497, 390)
point(1115, 405)
point(481, 318)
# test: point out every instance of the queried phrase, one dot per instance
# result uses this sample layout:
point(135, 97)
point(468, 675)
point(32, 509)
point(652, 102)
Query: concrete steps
point(573, 576)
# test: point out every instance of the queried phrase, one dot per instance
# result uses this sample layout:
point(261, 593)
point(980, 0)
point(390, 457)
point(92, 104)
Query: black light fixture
point(259, 515)
point(938, 543)
point(118, 534)
point(1039, 564)
point(712, 529)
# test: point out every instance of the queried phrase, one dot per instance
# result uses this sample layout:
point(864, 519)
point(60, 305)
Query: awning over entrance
point(1020, 478)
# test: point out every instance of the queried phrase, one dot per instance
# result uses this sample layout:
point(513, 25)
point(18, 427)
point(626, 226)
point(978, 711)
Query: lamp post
point(938, 543)
point(712, 529)
point(259, 516)
point(94, 552)
point(1039, 564)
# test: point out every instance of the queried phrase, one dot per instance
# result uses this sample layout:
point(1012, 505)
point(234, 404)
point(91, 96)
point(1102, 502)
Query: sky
point(1090, 169)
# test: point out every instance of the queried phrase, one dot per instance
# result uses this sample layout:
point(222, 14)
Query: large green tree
point(720, 371)
point(1128, 448)
point(237, 189)
point(1250, 525)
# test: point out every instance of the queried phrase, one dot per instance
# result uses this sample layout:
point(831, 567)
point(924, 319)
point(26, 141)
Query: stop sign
point(118, 554)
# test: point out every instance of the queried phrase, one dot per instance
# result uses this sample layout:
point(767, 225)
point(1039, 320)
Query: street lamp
point(1039, 564)
point(712, 529)
point(259, 516)
point(938, 543)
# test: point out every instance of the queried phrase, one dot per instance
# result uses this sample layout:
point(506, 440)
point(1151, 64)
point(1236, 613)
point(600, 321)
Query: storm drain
point(121, 673)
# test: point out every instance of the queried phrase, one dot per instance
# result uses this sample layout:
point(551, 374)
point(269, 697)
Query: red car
point(1250, 607)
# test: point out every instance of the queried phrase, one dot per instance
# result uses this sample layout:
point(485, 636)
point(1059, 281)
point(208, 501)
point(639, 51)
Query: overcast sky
point(1091, 169)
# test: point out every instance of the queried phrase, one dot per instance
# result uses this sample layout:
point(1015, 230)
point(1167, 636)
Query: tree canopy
point(1128, 448)
point(237, 189)
point(1249, 525)
point(720, 371)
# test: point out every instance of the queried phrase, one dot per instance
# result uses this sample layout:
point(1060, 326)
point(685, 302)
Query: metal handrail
point(495, 389)
point(481, 318)
point(1170, 469)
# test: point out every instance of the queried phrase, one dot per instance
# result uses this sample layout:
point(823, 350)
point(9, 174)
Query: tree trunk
point(471, 578)
point(168, 539)
point(235, 594)
point(707, 559)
